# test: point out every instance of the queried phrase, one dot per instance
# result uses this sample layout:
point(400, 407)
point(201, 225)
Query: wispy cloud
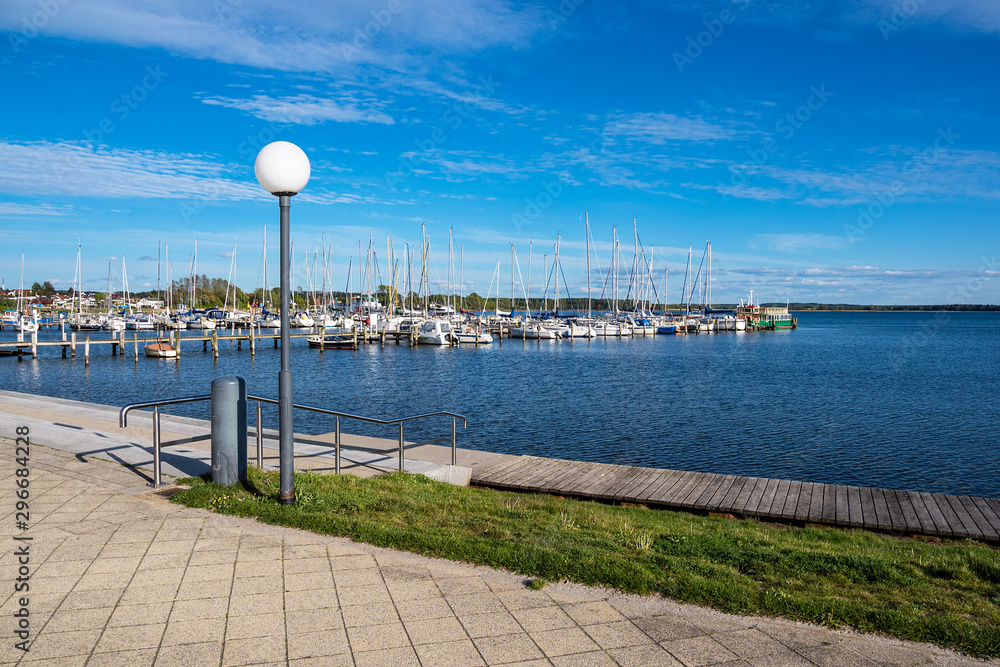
point(659, 128)
point(304, 109)
point(14, 210)
point(799, 242)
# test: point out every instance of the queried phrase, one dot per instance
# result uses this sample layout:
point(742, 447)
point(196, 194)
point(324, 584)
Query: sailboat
point(24, 324)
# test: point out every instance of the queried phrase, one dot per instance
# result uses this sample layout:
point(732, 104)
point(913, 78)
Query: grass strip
point(946, 593)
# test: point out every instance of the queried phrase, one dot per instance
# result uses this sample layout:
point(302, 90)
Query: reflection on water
point(851, 398)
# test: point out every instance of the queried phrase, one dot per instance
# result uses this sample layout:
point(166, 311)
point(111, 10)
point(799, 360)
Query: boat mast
point(587, 227)
point(555, 267)
point(451, 270)
point(461, 278)
point(527, 294)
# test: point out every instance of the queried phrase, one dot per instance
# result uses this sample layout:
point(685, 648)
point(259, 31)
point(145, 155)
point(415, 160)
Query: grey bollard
point(229, 430)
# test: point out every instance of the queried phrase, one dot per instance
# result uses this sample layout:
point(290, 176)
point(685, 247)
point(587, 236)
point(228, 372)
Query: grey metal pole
point(156, 447)
point(336, 443)
point(260, 439)
point(400, 446)
point(454, 449)
point(286, 447)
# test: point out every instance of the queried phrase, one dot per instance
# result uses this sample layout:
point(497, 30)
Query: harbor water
point(895, 400)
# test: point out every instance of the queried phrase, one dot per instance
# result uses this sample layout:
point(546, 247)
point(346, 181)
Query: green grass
point(946, 593)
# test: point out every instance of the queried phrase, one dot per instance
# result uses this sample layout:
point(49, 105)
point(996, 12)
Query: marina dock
point(882, 510)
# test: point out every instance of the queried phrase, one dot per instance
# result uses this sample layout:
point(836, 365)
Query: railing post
point(260, 439)
point(336, 445)
point(156, 447)
point(400, 446)
point(454, 450)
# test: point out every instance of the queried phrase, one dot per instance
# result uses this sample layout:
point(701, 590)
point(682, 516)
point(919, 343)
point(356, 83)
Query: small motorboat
point(161, 350)
point(470, 334)
point(341, 341)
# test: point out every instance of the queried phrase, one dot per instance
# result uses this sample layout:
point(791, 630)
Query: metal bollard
point(229, 430)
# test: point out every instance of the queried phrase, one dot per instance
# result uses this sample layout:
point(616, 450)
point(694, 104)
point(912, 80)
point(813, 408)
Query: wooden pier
point(884, 510)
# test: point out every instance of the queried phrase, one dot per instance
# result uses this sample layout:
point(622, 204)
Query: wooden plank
point(986, 531)
point(868, 518)
point(542, 482)
point(805, 499)
point(941, 524)
point(593, 476)
point(910, 521)
point(966, 522)
point(881, 509)
point(556, 484)
point(530, 474)
point(516, 470)
point(607, 476)
point(491, 471)
point(664, 481)
point(926, 524)
point(613, 479)
point(780, 496)
point(895, 517)
point(728, 502)
point(746, 493)
point(681, 492)
point(708, 482)
point(791, 500)
point(666, 493)
point(816, 502)
point(993, 517)
point(843, 515)
point(855, 509)
point(763, 508)
point(829, 512)
point(710, 499)
point(626, 489)
point(994, 504)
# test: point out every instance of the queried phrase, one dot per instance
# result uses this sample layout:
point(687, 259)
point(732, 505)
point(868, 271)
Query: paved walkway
point(119, 576)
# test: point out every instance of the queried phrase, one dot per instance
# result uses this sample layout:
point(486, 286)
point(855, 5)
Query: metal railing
point(345, 415)
point(123, 422)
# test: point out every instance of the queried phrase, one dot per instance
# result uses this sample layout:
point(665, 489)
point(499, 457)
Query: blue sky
point(841, 151)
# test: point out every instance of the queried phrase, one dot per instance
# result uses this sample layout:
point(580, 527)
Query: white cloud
point(303, 36)
point(13, 210)
point(303, 109)
point(660, 128)
point(797, 242)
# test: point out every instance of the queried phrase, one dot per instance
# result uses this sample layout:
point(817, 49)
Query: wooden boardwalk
point(768, 499)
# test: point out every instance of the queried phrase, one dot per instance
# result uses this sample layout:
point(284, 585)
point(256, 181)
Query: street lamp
point(282, 169)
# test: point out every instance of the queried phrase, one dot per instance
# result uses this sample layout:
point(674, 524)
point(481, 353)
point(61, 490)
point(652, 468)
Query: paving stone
point(367, 615)
point(699, 651)
point(435, 631)
point(617, 635)
point(589, 659)
point(355, 595)
point(63, 644)
point(317, 644)
point(130, 637)
point(507, 649)
point(749, 643)
point(589, 613)
point(316, 599)
point(141, 658)
point(563, 642)
point(477, 603)
point(313, 620)
point(491, 625)
point(397, 657)
point(415, 610)
point(377, 637)
point(667, 628)
point(543, 618)
point(189, 655)
point(140, 614)
point(837, 655)
point(650, 655)
point(191, 610)
point(201, 630)
point(260, 650)
point(72, 620)
point(450, 654)
point(259, 625)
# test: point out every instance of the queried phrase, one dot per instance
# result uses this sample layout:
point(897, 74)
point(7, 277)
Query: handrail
point(123, 422)
point(373, 420)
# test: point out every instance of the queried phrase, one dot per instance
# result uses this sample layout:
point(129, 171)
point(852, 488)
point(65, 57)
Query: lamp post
point(282, 169)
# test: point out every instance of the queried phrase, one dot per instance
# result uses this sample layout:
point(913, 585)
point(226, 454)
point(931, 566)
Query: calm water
point(899, 400)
